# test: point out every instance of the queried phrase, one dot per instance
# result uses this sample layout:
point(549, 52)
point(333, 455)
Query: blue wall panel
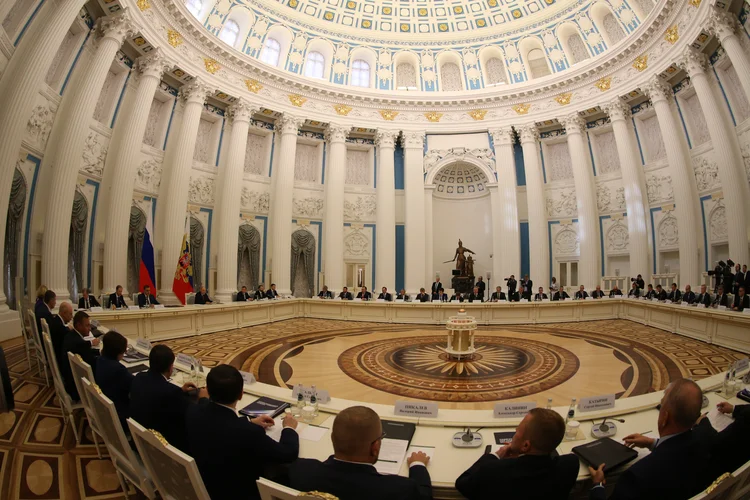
point(400, 255)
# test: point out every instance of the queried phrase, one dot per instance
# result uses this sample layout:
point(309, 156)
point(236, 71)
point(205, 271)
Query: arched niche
point(572, 42)
point(244, 19)
point(282, 35)
point(407, 74)
point(367, 55)
point(534, 58)
point(248, 257)
point(303, 263)
point(492, 61)
point(136, 234)
point(605, 20)
point(325, 48)
point(451, 72)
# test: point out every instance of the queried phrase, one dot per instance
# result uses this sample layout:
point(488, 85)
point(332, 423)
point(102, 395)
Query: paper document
point(392, 455)
point(719, 420)
point(313, 433)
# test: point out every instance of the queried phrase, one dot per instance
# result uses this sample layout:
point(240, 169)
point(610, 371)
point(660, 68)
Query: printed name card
point(596, 403)
point(184, 359)
point(322, 395)
point(247, 378)
point(416, 409)
point(513, 410)
point(158, 306)
point(743, 364)
point(143, 344)
point(589, 298)
point(96, 309)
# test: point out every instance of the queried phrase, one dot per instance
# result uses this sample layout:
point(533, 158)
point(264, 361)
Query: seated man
point(384, 295)
point(703, 298)
point(272, 293)
point(597, 294)
point(243, 296)
point(117, 300)
point(216, 429)
point(325, 293)
point(650, 293)
point(634, 291)
point(260, 293)
point(475, 295)
point(678, 465)
point(58, 326)
point(345, 294)
point(145, 299)
point(674, 295)
point(73, 342)
point(457, 297)
point(689, 295)
point(581, 293)
point(540, 295)
point(402, 295)
point(721, 299)
point(422, 296)
point(730, 448)
point(158, 404)
point(661, 294)
point(560, 295)
point(525, 468)
point(741, 300)
point(615, 292)
point(202, 296)
point(440, 296)
point(112, 377)
point(364, 294)
point(43, 311)
point(349, 474)
point(497, 294)
point(87, 301)
point(514, 296)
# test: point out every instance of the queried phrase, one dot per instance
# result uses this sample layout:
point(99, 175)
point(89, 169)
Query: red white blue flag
point(183, 276)
point(147, 274)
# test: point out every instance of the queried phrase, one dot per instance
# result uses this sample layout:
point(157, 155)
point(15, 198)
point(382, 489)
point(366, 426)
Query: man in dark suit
point(422, 296)
point(498, 294)
point(540, 295)
point(703, 298)
point(741, 300)
point(145, 299)
point(242, 295)
point(440, 296)
point(436, 285)
point(475, 295)
point(117, 300)
point(514, 297)
point(158, 404)
point(747, 277)
point(730, 448)
point(481, 285)
point(325, 293)
point(728, 277)
point(689, 295)
point(560, 295)
point(87, 301)
point(349, 474)
point(597, 293)
point(43, 311)
point(402, 296)
point(634, 291)
point(525, 468)
point(512, 284)
point(112, 377)
point(721, 299)
point(639, 281)
point(384, 295)
point(364, 294)
point(58, 326)
point(260, 293)
point(457, 297)
point(216, 429)
point(674, 295)
point(581, 293)
point(345, 294)
point(739, 279)
point(661, 294)
point(678, 465)
point(615, 292)
point(526, 287)
point(73, 342)
point(650, 293)
point(202, 296)
point(272, 293)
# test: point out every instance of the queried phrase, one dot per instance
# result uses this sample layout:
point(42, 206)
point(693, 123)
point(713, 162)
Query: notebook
point(141, 367)
point(393, 446)
point(265, 406)
point(605, 451)
point(504, 437)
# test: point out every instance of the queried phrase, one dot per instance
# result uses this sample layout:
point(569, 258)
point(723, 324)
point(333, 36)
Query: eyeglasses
point(378, 439)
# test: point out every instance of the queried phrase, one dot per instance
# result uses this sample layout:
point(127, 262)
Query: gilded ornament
point(387, 10)
point(422, 11)
point(297, 100)
point(564, 99)
point(143, 4)
point(405, 27)
point(328, 16)
point(604, 84)
point(174, 38)
point(492, 3)
point(517, 13)
point(671, 35)
point(481, 23)
point(522, 109)
point(253, 86)
point(458, 9)
point(388, 114)
point(211, 65)
point(318, 494)
point(366, 23)
point(478, 114)
point(443, 27)
point(159, 437)
point(641, 62)
point(293, 4)
point(351, 5)
point(433, 116)
point(342, 109)
point(695, 3)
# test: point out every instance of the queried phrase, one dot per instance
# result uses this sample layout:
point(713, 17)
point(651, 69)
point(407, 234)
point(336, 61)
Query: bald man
point(58, 326)
point(678, 465)
point(349, 474)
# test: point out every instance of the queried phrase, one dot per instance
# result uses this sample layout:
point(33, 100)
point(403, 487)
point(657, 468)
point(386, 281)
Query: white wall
point(448, 141)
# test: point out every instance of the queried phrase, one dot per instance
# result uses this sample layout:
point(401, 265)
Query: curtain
point(136, 234)
point(303, 253)
point(78, 222)
point(248, 257)
point(197, 236)
point(13, 223)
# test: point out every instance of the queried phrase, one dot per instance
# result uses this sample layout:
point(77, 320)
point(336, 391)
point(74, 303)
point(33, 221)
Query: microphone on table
point(467, 439)
point(605, 429)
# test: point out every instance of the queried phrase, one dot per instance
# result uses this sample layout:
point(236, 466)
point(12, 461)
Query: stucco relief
point(149, 137)
point(357, 167)
point(148, 176)
point(362, 209)
point(718, 224)
point(255, 154)
point(306, 163)
point(699, 129)
point(94, 154)
point(558, 163)
point(659, 188)
point(308, 207)
point(746, 159)
point(203, 142)
point(706, 173)
point(620, 202)
point(669, 236)
point(356, 244)
point(566, 241)
point(564, 205)
point(607, 158)
point(484, 155)
point(255, 201)
point(650, 134)
point(39, 125)
point(201, 190)
point(603, 198)
point(741, 106)
point(618, 238)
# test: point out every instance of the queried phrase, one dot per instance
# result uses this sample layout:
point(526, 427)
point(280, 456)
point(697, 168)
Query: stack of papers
point(719, 420)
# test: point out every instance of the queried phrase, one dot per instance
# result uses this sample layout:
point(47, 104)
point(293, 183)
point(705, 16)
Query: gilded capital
point(242, 111)
point(386, 138)
point(196, 91)
point(657, 89)
point(289, 124)
point(154, 64)
point(693, 62)
point(336, 132)
point(117, 26)
point(528, 133)
point(502, 136)
point(616, 110)
point(573, 123)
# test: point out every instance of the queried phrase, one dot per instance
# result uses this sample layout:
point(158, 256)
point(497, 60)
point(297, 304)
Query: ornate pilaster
point(723, 26)
point(414, 210)
point(506, 241)
point(385, 211)
point(333, 253)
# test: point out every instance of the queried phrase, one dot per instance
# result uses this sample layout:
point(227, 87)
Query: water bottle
point(314, 401)
point(300, 401)
point(200, 380)
point(571, 410)
point(549, 403)
point(193, 372)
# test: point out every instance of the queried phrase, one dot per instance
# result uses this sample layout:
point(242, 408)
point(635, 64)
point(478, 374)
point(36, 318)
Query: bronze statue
point(469, 266)
point(460, 260)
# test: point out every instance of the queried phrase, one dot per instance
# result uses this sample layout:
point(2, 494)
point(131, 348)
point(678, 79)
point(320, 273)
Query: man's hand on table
point(597, 475)
point(264, 421)
point(418, 456)
point(639, 441)
point(725, 407)
point(289, 421)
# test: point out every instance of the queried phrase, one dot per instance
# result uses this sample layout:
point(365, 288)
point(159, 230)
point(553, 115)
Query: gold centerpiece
point(460, 335)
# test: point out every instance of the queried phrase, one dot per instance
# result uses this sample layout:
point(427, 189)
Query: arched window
point(495, 71)
point(451, 77)
point(271, 52)
point(314, 65)
point(229, 33)
point(538, 63)
point(194, 6)
point(360, 73)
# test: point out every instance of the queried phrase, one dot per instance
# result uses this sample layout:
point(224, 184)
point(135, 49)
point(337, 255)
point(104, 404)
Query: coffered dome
point(460, 180)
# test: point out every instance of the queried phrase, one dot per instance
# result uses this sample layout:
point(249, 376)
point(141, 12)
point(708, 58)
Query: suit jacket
point(651, 294)
point(423, 297)
point(457, 297)
point(436, 297)
point(662, 295)
point(689, 297)
point(514, 297)
point(115, 380)
point(475, 298)
point(482, 286)
point(676, 469)
point(242, 296)
point(739, 280)
point(272, 294)
point(364, 296)
point(158, 404)
point(402, 297)
point(721, 300)
point(151, 300)
point(201, 298)
point(325, 294)
point(529, 477)
point(747, 281)
point(41, 311)
point(73, 342)
point(634, 292)
point(615, 293)
point(354, 481)
point(117, 300)
point(597, 294)
point(495, 296)
point(560, 295)
point(581, 295)
point(57, 330)
point(435, 286)
point(527, 287)
point(346, 295)
point(730, 448)
point(512, 284)
point(92, 302)
point(243, 447)
point(703, 299)
point(741, 305)
point(258, 295)
point(538, 297)
point(385, 296)
point(674, 296)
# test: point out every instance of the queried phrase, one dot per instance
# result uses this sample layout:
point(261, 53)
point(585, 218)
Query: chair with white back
point(36, 340)
point(81, 370)
point(274, 491)
point(67, 405)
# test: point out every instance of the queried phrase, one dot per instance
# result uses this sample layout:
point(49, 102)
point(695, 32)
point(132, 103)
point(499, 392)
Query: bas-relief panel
point(557, 162)
point(667, 234)
point(651, 139)
point(54, 72)
point(565, 240)
point(94, 154)
point(148, 175)
point(706, 172)
point(152, 124)
point(201, 189)
point(358, 242)
point(610, 197)
point(716, 221)
point(659, 188)
point(204, 142)
point(307, 206)
point(357, 167)
point(691, 109)
point(255, 198)
point(359, 208)
point(255, 154)
point(616, 236)
point(40, 122)
point(732, 83)
point(605, 149)
point(106, 97)
point(561, 203)
point(306, 163)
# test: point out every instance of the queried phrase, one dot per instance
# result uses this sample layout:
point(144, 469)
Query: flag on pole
point(183, 276)
point(146, 273)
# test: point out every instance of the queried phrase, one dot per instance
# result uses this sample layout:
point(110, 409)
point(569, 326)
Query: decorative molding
point(433, 116)
point(342, 109)
point(388, 114)
point(337, 133)
point(174, 38)
point(308, 207)
point(641, 62)
point(482, 155)
point(604, 84)
point(706, 173)
point(528, 133)
point(386, 138)
point(603, 198)
point(356, 244)
point(362, 209)
point(618, 238)
point(566, 205)
point(669, 236)
point(718, 223)
point(478, 114)
point(566, 241)
point(659, 188)
point(253, 86)
point(94, 154)
point(672, 34)
point(201, 190)
point(254, 201)
point(143, 4)
point(693, 62)
point(564, 98)
point(148, 175)
point(522, 109)
point(297, 100)
point(211, 65)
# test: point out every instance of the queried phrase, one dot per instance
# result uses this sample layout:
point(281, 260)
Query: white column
point(120, 168)
point(333, 241)
point(429, 270)
point(722, 25)
point(281, 202)
point(589, 270)
point(633, 180)
point(414, 218)
point(687, 203)
point(20, 85)
point(178, 181)
point(230, 190)
point(539, 257)
point(67, 138)
point(385, 215)
point(728, 155)
point(506, 240)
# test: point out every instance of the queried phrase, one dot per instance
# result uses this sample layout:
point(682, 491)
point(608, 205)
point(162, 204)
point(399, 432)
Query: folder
point(265, 406)
point(605, 451)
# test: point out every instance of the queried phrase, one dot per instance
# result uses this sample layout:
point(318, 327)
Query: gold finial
point(672, 35)
point(641, 62)
point(143, 5)
point(478, 114)
point(564, 98)
point(433, 116)
point(211, 65)
point(695, 3)
point(342, 109)
point(604, 84)
point(174, 38)
point(253, 86)
point(388, 114)
point(297, 100)
point(159, 437)
point(522, 109)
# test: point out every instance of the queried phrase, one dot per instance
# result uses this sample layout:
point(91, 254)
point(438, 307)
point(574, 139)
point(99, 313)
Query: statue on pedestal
point(460, 260)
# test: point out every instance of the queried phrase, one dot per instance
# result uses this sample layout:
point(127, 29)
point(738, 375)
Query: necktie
point(87, 304)
point(148, 300)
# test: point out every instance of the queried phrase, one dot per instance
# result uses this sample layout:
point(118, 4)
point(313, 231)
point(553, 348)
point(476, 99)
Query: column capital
point(413, 139)
point(617, 110)
point(693, 62)
point(289, 124)
point(242, 111)
point(386, 138)
point(336, 132)
point(528, 133)
point(154, 64)
point(196, 91)
point(657, 89)
point(502, 136)
point(573, 123)
point(117, 26)
point(721, 24)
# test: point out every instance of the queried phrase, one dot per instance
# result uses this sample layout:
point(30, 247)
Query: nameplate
point(399, 301)
point(321, 395)
point(415, 409)
point(743, 364)
point(746, 311)
point(184, 359)
point(247, 378)
point(597, 403)
point(143, 344)
point(722, 308)
point(357, 300)
point(96, 309)
point(380, 300)
point(158, 306)
point(337, 298)
point(513, 410)
point(684, 304)
point(589, 298)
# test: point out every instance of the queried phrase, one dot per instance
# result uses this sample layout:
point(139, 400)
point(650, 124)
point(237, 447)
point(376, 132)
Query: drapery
point(197, 235)
point(78, 222)
point(248, 257)
point(303, 253)
point(136, 234)
point(16, 207)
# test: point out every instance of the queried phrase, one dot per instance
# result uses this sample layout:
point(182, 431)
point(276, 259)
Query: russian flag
point(183, 276)
point(146, 273)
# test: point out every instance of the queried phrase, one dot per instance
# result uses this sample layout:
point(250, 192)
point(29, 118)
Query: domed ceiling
point(460, 180)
